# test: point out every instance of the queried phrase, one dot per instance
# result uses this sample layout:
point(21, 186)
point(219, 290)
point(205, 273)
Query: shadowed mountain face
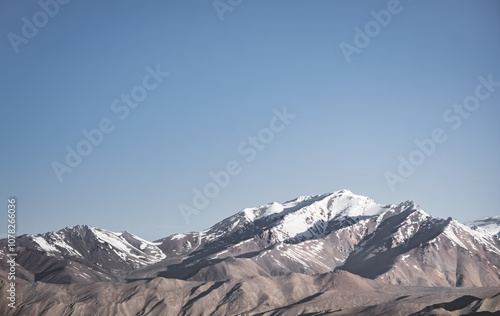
point(318, 240)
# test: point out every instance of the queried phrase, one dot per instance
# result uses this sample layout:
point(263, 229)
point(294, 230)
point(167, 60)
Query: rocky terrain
point(331, 254)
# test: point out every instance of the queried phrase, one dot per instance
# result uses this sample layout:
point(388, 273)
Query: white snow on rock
point(127, 251)
point(126, 246)
point(44, 245)
point(177, 236)
point(466, 237)
point(54, 242)
point(490, 225)
point(320, 211)
point(275, 208)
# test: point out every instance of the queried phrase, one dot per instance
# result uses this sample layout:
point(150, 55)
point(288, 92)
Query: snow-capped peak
point(353, 205)
point(309, 220)
point(78, 240)
point(342, 202)
point(490, 225)
point(274, 208)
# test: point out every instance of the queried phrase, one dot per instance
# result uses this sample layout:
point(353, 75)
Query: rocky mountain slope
point(334, 293)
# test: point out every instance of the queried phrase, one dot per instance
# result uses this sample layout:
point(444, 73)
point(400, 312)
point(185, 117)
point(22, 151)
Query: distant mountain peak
point(491, 225)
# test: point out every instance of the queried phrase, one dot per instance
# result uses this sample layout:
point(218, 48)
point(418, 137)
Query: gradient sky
point(352, 120)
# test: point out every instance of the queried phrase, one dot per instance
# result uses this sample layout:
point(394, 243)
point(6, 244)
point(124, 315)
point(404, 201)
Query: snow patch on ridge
point(44, 245)
point(177, 236)
point(491, 225)
point(273, 209)
point(457, 233)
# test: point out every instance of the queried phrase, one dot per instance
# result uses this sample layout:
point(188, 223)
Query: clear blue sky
point(352, 120)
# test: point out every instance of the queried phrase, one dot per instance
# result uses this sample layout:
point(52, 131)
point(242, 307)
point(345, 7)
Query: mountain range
point(331, 254)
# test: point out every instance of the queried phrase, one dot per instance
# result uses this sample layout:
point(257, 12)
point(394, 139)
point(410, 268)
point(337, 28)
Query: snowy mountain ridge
point(305, 215)
point(124, 244)
point(489, 224)
point(308, 235)
point(265, 257)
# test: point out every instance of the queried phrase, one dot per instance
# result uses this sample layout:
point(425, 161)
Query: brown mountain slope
point(340, 293)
